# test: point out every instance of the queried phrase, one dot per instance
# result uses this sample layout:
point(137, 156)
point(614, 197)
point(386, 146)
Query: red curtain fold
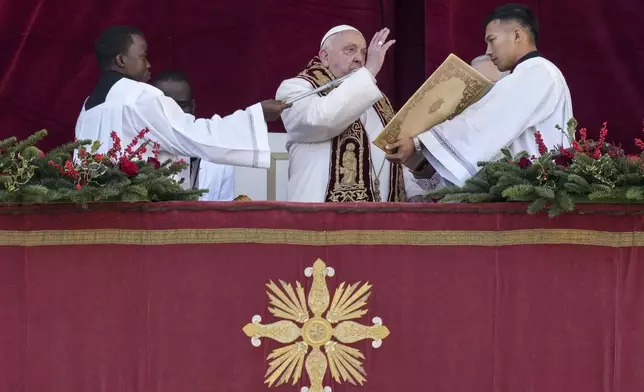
point(528, 308)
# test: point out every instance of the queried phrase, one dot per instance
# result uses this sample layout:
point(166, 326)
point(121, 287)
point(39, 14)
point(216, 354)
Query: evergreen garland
point(587, 171)
point(27, 175)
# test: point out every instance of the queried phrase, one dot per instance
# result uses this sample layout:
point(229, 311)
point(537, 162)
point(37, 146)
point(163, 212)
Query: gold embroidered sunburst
point(318, 332)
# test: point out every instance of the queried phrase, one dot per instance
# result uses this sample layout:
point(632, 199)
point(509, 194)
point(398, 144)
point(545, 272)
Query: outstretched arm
point(239, 139)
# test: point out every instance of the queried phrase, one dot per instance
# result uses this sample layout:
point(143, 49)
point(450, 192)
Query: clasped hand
point(400, 151)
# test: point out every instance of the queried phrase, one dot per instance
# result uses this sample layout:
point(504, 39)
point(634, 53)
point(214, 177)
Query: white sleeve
point(227, 183)
point(412, 188)
point(316, 119)
point(239, 139)
point(515, 103)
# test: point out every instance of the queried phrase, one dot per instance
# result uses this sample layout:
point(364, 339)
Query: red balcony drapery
point(153, 297)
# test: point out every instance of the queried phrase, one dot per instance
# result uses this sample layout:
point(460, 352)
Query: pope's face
point(488, 69)
point(502, 44)
point(344, 52)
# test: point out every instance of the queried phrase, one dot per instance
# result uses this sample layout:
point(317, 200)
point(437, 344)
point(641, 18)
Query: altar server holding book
point(533, 97)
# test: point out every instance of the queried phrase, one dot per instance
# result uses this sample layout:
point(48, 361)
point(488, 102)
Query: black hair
point(112, 42)
point(171, 76)
point(519, 13)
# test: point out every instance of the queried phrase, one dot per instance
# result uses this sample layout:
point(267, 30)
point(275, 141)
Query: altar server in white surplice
point(329, 135)
point(215, 177)
point(533, 97)
point(124, 103)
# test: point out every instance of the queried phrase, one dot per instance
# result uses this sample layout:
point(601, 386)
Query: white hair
point(329, 42)
point(481, 58)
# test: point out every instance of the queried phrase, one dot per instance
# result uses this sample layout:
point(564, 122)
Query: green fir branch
point(630, 179)
point(537, 205)
point(544, 192)
point(554, 210)
point(635, 193)
point(507, 153)
point(8, 142)
point(460, 197)
point(521, 192)
point(479, 197)
point(479, 182)
point(564, 201)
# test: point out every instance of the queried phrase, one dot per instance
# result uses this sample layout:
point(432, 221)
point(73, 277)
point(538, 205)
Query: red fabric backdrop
point(476, 298)
point(238, 52)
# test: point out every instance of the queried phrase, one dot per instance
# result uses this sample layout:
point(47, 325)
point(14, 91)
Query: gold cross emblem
point(317, 332)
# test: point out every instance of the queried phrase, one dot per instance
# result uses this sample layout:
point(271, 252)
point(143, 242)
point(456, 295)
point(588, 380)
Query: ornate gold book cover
point(453, 87)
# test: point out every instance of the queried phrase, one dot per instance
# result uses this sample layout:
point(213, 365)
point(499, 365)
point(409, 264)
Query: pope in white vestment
point(123, 103)
point(331, 157)
point(533, 97)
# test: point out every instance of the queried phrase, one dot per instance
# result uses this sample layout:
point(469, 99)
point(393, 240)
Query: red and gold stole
point(351, 175)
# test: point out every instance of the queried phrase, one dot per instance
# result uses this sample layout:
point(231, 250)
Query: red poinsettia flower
point(565, 156)
point(563, 161)
point(524, 163)
point(154, 162)
point(128, 167)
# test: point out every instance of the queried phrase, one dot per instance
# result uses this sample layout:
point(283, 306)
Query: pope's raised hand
point(273, 109)
point(377, 50)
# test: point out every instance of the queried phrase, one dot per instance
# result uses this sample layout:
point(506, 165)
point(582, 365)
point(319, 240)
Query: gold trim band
point(322, 238)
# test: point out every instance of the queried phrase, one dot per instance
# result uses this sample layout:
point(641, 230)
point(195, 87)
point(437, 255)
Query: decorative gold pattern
point(436, 105)
point(286, 362)
point(351, 332)
point(455, 83)
point(385, 110)
point(283, 331)
point(242, 198)
point(344, 362)
point(323, 238)
point(352, 191)
point(349, 167)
